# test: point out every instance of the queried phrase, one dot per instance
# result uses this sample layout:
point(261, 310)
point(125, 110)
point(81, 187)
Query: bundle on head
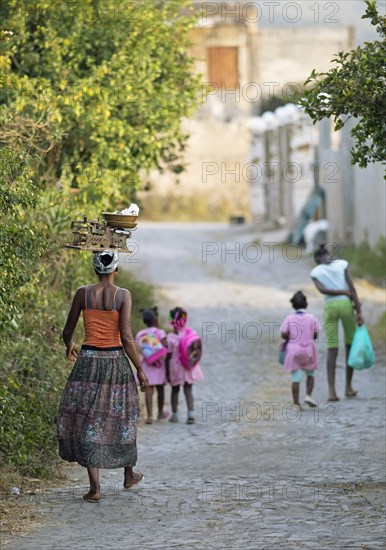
point(105, 262)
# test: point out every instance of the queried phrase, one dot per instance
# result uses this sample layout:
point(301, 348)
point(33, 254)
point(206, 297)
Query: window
point(223, 67)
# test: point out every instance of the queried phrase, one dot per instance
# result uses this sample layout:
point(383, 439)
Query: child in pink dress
point(156, 372)
point(299, 330)
point(177, 374)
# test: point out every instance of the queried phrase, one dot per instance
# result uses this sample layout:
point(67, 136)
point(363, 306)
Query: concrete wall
point(370, 204)
point(290, 55)
point(355, 197)
point(215, 183)
point(278, 196)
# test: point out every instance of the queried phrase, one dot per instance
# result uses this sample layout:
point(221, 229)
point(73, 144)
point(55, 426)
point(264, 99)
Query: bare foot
point(333, 397)
point(149, 420)
point(137, 477)
point(350, 392)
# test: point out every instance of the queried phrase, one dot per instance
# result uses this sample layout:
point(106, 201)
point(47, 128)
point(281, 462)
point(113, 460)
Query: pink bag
point(190, 348)
point(151, 349)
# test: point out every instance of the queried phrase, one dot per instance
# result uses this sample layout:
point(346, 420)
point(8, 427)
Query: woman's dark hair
point(149, 315)
point(321, 253)
point(299, 300)
point(106, 259)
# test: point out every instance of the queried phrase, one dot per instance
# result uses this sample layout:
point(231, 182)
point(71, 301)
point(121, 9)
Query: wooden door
point(223, 67)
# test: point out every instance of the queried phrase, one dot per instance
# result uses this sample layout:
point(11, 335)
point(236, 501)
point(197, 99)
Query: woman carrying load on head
point(99, 408)
point(332, 278)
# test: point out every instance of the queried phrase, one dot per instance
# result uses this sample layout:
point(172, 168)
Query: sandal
point(92, 497)
point(310, 402)
point(137, 477)
point(149, 421)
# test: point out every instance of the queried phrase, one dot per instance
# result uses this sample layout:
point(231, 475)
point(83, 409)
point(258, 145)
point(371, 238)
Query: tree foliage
point(112, 79)
point(20, 244)
point(92, 94)
point(356, 88)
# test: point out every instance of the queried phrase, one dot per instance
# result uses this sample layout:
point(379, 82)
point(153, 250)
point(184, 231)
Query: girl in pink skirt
point(176, 372)
point(151, 343)
point(299, 330)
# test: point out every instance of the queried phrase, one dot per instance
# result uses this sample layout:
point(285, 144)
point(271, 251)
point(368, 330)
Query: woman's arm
point(328, 291)
point(72, 320)
point(127, 338)
point(354, 297)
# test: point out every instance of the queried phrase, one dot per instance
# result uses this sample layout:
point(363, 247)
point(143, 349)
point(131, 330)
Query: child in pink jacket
point(155, 372)
point(300, 330)
point(177, 374)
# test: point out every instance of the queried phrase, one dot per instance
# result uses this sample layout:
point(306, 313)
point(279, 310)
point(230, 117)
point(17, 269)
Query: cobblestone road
point(250, 474)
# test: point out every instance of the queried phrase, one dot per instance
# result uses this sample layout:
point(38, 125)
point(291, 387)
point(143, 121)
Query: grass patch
point(367, 262)
point(378, 332)
point(210, 207)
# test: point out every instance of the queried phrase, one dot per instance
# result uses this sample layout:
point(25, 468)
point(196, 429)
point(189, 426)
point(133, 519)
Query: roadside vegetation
point(91, 100)
point(366, 262)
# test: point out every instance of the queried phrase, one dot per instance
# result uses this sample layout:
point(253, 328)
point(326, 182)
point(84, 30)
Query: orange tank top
point(101, 327)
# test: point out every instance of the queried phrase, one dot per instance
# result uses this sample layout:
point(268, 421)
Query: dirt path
point(250, 474)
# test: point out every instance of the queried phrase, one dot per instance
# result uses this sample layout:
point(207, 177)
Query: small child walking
point(151, 343)
point(300, 330)
point(177, 373)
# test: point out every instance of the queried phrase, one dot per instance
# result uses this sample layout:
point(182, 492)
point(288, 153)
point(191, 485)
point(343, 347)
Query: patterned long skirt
point(99, 411)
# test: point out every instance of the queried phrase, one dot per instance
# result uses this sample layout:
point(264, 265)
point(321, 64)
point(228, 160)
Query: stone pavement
point(251, 473)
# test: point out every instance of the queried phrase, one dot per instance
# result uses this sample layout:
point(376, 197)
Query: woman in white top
point(332, 278)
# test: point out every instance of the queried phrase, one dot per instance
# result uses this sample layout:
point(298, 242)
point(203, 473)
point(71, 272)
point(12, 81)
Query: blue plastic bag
point(282, 350)
point(361, 354)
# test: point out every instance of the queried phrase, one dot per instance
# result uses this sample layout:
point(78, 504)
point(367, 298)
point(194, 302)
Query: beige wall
point(290, 55)
point(369, 204)
point(215, 182)
point(355, 197)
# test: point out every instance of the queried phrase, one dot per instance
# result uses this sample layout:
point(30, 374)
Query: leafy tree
point(20, 138)
point(111, 78)
point(355, 88)
point(91, 94)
